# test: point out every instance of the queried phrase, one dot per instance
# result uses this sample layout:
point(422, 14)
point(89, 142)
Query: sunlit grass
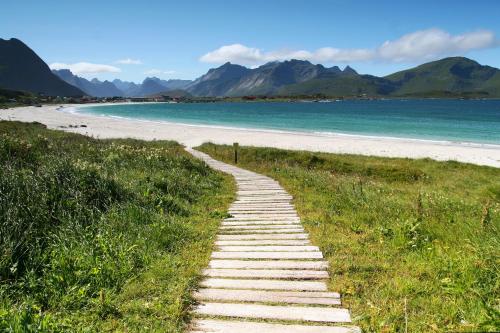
point(100, 235)
point(413, 241)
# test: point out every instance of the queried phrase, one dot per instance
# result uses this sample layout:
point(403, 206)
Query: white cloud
point(433, 43)
point(234, 53)
point(158, 72)
point(85, 68)
point(129, 61)
point(413, 47)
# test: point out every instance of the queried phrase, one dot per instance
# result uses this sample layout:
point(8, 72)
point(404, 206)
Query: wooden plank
point(292, 297)
point(266, 273)
point(267, 255)
point(263, 242)
point(226, 326)
point(268, 248)
point(263, 231)
point(268, 264)
point(262, 237)
point(261, 226)
point(227, 223)
point(264, 284)
point(302, 313)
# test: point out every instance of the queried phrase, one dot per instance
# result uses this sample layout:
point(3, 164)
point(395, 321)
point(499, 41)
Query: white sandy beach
point(193, 135)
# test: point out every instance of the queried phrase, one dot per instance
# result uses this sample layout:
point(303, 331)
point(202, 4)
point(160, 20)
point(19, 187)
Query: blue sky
point(183, 39)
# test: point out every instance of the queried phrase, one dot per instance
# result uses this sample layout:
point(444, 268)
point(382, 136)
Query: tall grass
point(413, 245)
point(101, 234)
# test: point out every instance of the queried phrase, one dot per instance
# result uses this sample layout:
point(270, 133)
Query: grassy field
point(101, 235)
point(413, 245)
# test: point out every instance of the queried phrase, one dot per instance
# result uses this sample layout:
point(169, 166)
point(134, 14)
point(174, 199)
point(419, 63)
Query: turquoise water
point(450, 120)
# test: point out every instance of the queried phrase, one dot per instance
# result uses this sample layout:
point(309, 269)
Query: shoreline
point(279, 131)
point(192, 135)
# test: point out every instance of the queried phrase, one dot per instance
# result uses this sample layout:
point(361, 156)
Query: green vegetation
point(101, 235)
point(341, 86)
point(453, 76)
point(413, 241)
point(11, 98)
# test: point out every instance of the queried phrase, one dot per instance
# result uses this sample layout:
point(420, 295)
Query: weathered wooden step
point(261, 210)
point(261, 206)
point(231, 326)
point(267, 211)
point(267, 255)
point(264, 284)
point(302, 313)
point(261, 217)
point(266, 214)
point(260, 201)
point(266, 273)
point(262, 242)
point(227, 223)
point(262, 226)
point(259, 190)
point(262, 236)
point(268, 248)
point(240, 218)
point(263, 231)
point(268, 264)
point(292, 297)
point(266, 198)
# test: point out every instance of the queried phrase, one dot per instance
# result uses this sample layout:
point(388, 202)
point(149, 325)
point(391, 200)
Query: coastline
point(281, 131)
point(193, 135)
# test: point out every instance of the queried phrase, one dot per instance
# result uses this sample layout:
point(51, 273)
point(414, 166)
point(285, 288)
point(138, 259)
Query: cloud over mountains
point(129, 61)
point(417, 46)
point(85, 68)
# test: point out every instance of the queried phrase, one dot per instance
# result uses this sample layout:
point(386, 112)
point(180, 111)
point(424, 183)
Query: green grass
point(407, 240)
point(101, 235)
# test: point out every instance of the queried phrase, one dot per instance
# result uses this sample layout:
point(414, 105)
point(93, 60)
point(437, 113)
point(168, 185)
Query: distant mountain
point(150, 86)
point(217, 81)
point(22, 69)
point(271, 78)
point(455, 75)
point(449, 77)
point(172, 84)
point(347, 84)
point(267, 79)
point(293, 77)
point(126, 87)
point(94, 88)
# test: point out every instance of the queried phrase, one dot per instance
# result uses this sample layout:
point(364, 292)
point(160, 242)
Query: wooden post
point(235, 145)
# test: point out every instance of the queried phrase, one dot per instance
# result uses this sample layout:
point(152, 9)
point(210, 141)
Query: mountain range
point(454, 76)
point(97, 88)
point(22, 69)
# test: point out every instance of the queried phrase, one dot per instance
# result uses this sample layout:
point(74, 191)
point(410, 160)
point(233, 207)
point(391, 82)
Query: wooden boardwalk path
point(265, 276)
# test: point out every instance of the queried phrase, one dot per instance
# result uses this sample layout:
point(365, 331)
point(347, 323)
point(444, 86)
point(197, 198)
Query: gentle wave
point(81, 109)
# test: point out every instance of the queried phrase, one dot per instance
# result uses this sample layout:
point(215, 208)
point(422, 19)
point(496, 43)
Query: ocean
point(475, 121)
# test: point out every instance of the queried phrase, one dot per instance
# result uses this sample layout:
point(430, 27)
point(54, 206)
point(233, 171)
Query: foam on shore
point(192, 135)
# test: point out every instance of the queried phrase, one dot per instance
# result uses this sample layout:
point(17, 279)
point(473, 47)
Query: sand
point(194, 135)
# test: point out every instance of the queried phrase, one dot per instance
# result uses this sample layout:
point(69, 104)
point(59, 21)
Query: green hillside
point(456, 75)
point(351, 85)
point(449, 77)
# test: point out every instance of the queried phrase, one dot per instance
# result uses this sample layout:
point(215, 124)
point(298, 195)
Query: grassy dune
point(101, 235)
point(412, 244)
